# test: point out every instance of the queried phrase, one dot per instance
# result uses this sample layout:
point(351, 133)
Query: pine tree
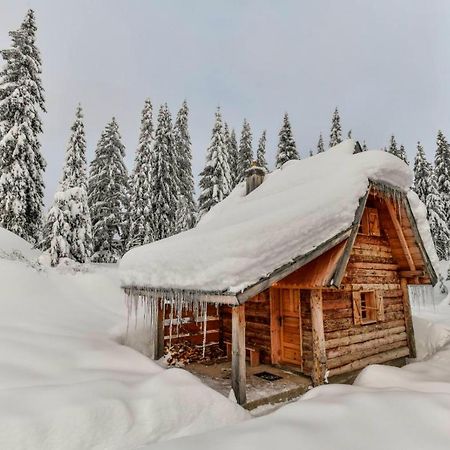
point(336, 130)
point(422, 174)
point(215, 182)
point(261, 152)
point(140, 183)
point(393, 149)
point(287, 149)
point(164, 190)
point(108, 196)
point(186, 210)
point(437, 220)
point(364, 147)
point(402, 154)
point(68, 228)
point(21, 162)
point(442, 172)
point(320, 146)
point(233, 159)
point(349, 134)
point(245, 150)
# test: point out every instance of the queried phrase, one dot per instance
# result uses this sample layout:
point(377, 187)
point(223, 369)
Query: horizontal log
point(375, 359)
point(330, 314)
point(348, 340)
point(362, 329)
point(372, 266)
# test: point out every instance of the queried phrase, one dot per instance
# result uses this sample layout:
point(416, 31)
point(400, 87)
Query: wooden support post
point(318, 336)
point(238, 369)
point(408, 318)
point(159, 332)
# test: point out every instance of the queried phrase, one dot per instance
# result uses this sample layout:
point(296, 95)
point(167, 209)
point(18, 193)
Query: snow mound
point(15, 248)
point(245, 238)
point(65, 383)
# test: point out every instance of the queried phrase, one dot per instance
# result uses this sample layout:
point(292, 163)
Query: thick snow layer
point(65, 383)
point(244, 238)
point(386, 408)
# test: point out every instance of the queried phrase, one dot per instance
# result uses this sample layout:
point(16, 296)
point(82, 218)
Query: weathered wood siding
point(257, 325)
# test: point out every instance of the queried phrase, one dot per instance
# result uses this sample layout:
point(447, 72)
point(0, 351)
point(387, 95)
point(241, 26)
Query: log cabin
point(309, 267)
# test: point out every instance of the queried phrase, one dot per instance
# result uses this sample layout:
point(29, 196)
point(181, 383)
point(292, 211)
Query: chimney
point(254, 176)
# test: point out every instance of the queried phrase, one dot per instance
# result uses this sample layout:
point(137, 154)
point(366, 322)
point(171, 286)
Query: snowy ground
point(66, 383)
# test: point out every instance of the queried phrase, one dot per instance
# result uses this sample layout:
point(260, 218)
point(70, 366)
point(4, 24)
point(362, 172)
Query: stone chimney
point(254, 176)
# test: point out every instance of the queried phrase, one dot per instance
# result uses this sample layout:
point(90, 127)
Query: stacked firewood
point(180, 354)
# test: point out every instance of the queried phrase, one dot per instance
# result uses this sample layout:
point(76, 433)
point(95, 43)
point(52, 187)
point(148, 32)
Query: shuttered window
point(367, 307)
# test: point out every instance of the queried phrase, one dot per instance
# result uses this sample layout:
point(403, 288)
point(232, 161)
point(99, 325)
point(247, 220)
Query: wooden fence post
point(159, 332)
point(318, 336)
point(238, 369)
point(408, 319)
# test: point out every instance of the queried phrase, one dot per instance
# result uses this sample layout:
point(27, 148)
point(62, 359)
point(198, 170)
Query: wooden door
point(290, 327)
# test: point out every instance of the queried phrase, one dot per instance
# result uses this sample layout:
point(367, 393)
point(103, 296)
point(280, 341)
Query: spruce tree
point(141, 230)
point(422, 174)
point(21, 162)
point(287, 149)
point(68, 228)
point(108, 196)
point(245, 150)
point(393, 149)
point(364, 147)
point(442, 172)
point(402, 154)
point(336, 130)
point(233, 159)
point(320, 145)
point(186, 209)
point(164, 189)
point(437, 220)
point(215, 181)
point(261, 152)
point(349, 134)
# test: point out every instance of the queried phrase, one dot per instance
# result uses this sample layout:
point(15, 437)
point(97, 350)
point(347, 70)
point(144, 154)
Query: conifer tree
point(393, 149)
point(186, 209)
point(402, 154)
point(108, 196)
point(141, 229)
point(287, 149)
point(320, 145)
point(336, 130)
point(21, 162)
point(437, 220)
point(245, 150)
point(442, 172)
point(422, 174)
point(164, 189)
point(233, 159)
point(364, 147)
point(349, 134)
point(261, 152)
point(215, 181)
point(68, 227)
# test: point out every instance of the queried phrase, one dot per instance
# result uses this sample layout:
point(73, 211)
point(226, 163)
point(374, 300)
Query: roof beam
point(401, 236)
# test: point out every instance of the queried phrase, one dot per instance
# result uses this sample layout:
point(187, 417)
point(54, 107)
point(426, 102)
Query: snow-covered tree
point(349, 134)
point(215, 181)
point(402, 154)
point(108, 196)
point(437, 220)
point(336, 130)
point(393, 149)
point(287, 149)
point(21, 162)
point(442, 172)
point(261, 152)
point(364, 147)
point(165, 183)
point(320, 145)
point(245, 150)
point(233, 159)
point(186, 210)
point(67, 232)
point(422, 174)
point(141, 229)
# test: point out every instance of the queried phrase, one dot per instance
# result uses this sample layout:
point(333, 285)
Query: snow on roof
point(245, 238)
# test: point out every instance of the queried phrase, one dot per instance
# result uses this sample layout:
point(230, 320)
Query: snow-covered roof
point(246, 237)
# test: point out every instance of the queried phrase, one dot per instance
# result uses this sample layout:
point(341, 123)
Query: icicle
point(205, 321)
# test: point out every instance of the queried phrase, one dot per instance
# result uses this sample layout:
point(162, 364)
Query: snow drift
point(245, 238)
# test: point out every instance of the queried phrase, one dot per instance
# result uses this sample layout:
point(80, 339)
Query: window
point(370, 223)
point(367, 307)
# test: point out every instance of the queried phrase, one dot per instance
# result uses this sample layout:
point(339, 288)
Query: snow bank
point(244, 238)
point(64, 381)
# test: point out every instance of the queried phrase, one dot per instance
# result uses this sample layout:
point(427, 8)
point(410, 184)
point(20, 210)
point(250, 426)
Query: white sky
point(385, 64)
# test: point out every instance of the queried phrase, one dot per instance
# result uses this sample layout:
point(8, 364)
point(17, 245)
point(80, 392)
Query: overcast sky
point(385, 64)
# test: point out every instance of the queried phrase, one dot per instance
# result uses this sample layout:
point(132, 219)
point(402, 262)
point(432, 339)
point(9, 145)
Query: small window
point(367, 307)
point(370, 223)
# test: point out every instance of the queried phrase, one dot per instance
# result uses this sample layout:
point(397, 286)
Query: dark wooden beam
point(408, 318)
point(238, 369)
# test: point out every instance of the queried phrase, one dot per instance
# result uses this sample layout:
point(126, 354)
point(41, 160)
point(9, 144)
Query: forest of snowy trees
point(100, 211)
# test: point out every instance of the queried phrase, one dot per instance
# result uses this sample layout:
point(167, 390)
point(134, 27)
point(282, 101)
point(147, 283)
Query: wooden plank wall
point(257, 331)
point(190, 330)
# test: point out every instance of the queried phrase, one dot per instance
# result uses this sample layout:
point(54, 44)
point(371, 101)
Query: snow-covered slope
point(64, 381)
point(244, 238)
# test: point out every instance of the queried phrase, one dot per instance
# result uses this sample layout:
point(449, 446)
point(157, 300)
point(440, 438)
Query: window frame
point(377, 305)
